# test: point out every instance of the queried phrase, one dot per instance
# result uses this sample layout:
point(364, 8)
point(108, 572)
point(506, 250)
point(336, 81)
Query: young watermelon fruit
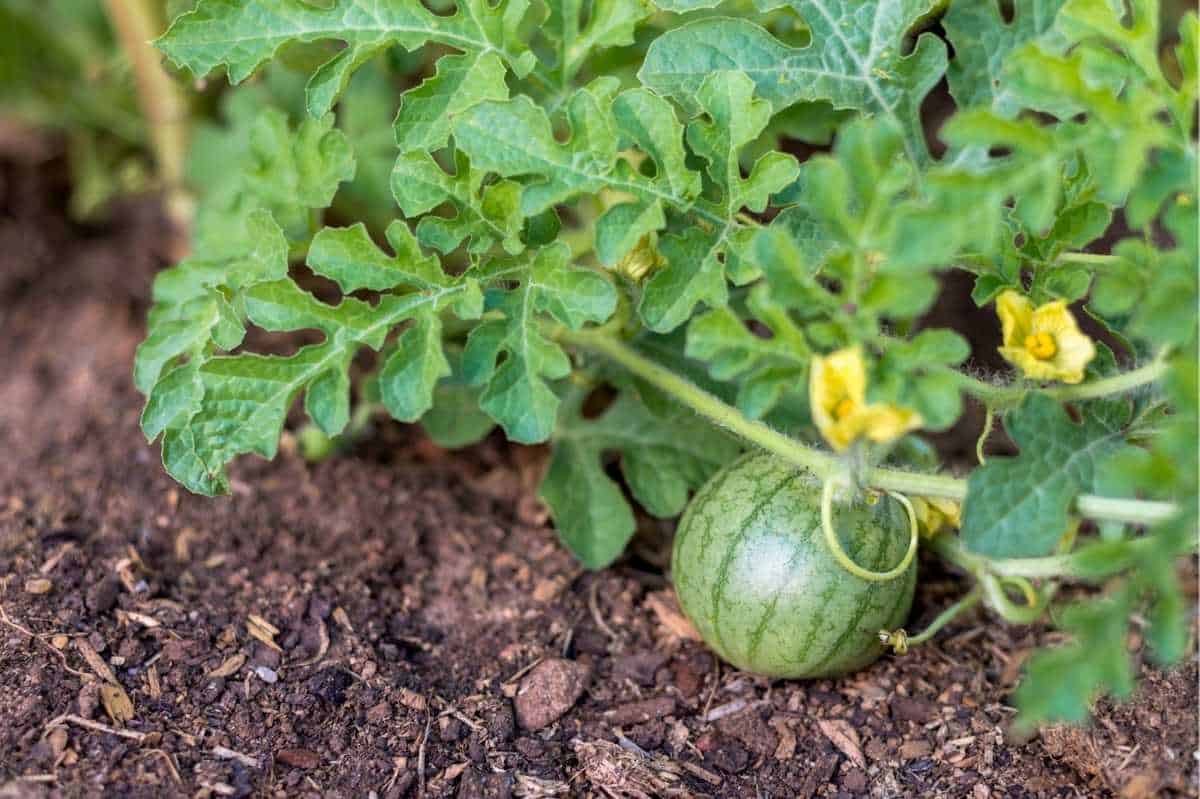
point(753, 572)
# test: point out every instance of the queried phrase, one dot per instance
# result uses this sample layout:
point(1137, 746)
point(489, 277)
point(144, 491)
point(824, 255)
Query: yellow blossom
point(837, 391)
point(1044, 342)
point(935, 514)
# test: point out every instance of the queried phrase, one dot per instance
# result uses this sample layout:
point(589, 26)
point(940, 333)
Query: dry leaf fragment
point(339, 615)
point(153, 685)
point(786, 749)
point(412, 700)
point(38, 585)
point(454, 772)
point(666, 609)
point(102, 669)
point(230, 666)
point(845, 738)
point(117, 703)
point(263, 630)
point(140, 618)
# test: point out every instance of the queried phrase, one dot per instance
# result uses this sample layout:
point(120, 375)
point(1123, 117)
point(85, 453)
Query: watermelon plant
point(731, 221)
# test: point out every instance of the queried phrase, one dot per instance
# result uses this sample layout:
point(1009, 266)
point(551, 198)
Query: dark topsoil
point(406, 595)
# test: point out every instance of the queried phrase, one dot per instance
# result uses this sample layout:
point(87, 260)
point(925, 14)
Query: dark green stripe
point(727, 560)
point(698, 502)
point(816, 540)
point(901, 596)
point(863, 605)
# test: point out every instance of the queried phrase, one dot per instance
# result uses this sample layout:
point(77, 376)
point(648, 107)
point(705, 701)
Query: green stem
point(701, 401)
point(1093, 259)
point(969, 600)
point(821, 463)
point(988, 421)
point(1007, 396)
point(1074, 564)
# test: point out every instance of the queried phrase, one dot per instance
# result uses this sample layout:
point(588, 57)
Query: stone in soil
point(548, 691)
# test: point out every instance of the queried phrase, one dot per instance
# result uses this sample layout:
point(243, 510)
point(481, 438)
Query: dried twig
point(322, 647)
point(80, 721)
point(170, 761)
point(702, 773)
point(62, 657)
point(594, 607)
point(229, 754)
point(421, 759)
point(712, 694)
point(56, 557)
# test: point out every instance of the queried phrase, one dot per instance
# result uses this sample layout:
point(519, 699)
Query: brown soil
point(406, 595)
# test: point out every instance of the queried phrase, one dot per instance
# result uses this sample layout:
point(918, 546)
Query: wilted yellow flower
point(837, 391)
point(935, 514)
point(1044, 342)
point(640, 261)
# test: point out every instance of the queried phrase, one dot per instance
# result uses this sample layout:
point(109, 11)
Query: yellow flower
point(1044, 342)
point(837, 390)
point(935, 514)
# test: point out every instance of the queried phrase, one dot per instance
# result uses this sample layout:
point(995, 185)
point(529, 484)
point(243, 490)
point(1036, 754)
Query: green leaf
point(765, 367)
point(237, 403)
point(855, 60)
point(192, 308)
point(698, 262)
point(517, 394)
point(260, 161)
point(428, 111)
point(693, 276)
point(1018, 507)
point(241, 36)
point(455, 420)
point(662, 460)
point(349, 257)
point(982, 42)
point(854, 200)
point(485, 213)
point(1061, 684)
point(1156, 289)
point(578, 29)
point(515, 139)
point(412, 371)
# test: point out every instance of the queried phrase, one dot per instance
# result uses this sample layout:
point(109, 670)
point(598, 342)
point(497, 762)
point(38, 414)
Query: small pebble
point(266, 675)
point(38, 586)
point(549, 691)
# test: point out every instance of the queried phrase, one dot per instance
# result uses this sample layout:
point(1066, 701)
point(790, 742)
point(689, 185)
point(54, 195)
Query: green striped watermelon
point(754, 575)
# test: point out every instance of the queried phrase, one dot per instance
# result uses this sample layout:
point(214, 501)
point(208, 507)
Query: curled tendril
point(844, 560)
point(1034, 604)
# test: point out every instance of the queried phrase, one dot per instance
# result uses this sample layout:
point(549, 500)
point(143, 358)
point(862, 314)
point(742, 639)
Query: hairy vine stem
point(1007, 396)
point(823, 465)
